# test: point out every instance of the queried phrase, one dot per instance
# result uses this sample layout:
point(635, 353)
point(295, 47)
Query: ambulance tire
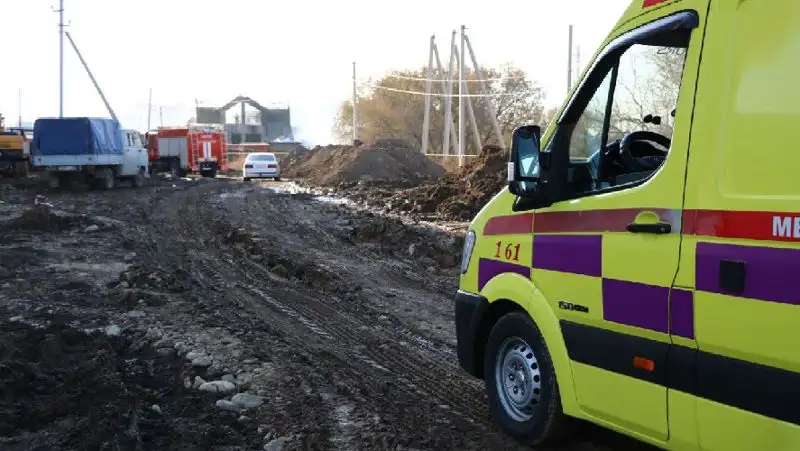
point(547, 425)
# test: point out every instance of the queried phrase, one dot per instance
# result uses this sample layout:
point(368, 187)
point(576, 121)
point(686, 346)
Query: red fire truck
point(181, 150)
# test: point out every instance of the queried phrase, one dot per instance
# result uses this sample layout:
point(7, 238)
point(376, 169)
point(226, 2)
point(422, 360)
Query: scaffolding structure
point(455, 137)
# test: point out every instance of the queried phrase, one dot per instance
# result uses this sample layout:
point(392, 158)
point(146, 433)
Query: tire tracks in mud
point(376, 383)
point(354, 339)
point(412, 363)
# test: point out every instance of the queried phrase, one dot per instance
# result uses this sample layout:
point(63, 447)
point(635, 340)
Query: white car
point(261, 165)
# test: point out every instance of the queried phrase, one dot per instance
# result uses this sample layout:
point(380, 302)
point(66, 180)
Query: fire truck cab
point(182, 150)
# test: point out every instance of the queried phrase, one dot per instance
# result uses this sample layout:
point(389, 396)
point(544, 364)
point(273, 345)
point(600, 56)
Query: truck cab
point(640, 269)
point(136, 160)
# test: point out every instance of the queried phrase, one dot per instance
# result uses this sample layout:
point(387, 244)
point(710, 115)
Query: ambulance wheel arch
point(503, 296)
point(521, 382)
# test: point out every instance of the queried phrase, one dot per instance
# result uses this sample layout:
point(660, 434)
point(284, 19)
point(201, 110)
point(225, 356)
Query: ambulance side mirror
point(524, 165)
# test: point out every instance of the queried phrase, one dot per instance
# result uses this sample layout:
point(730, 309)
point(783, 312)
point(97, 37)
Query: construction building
point(268, 125)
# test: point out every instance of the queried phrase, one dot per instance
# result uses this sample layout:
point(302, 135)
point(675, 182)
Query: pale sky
point(298, 52)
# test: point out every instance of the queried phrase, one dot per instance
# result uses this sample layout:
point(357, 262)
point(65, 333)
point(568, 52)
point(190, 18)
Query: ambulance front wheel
point(521, 382)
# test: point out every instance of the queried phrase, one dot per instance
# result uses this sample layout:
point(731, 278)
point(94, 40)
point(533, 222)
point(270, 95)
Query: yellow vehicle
point(642, 269)
point(14, 150)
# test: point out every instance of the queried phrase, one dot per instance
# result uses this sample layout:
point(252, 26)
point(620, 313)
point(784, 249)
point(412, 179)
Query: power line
point(419, 93)
point(405, 77)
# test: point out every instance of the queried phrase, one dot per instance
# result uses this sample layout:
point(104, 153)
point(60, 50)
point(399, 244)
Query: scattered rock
point(224, 404)
point(135, 314)
point(243, 419)
point(223, 387)
point(244, 378)
point(113, 330)
point(4, 272)
point(276, 444)
point(247, 400)
point(198, 381)
point(91, 228)
point(202, 362)
point(163, 343)
point(194, 355)
point(129, 257)
point(229, 378)
point(156, 408)
point(181, 348)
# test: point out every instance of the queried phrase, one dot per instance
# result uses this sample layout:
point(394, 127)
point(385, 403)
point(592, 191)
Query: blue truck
point(97, 150)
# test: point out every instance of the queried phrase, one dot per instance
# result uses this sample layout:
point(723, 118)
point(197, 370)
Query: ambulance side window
point(638, 93)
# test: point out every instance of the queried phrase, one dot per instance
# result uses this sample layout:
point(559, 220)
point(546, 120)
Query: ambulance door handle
point(659, 228)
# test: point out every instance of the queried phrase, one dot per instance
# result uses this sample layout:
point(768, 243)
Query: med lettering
point(786, 227)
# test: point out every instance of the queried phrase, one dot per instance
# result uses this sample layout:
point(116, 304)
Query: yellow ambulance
point(642, 269)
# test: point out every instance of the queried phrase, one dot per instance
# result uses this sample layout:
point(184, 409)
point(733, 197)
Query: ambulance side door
point(606, 257)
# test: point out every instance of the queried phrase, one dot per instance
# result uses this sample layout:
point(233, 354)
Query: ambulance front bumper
point(470, 309)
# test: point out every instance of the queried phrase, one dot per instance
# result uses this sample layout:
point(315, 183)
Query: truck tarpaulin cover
point(77, 136)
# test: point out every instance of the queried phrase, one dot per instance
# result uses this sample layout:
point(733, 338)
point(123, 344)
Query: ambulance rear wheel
point(521, 382)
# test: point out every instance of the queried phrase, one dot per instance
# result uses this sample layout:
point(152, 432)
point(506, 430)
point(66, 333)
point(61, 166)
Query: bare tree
point(384, 113)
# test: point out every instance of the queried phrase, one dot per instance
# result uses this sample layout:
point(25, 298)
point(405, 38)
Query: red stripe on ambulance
point(597, 221)
point(509, 225)
point(750, 225)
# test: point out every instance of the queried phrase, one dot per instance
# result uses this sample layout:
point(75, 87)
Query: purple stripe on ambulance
point(681, 304)
point(771, 274)
point(636, 304)
point(488, 269)
point(575, 254)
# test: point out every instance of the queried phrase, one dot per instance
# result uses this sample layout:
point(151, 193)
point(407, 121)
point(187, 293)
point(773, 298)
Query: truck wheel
point(138, 179)
point(53, 181)
point(107, 179)
point(176, 170)
point(21, 169)
point(521, 382)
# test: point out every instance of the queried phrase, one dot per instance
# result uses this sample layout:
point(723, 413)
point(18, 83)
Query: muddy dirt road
point(212, 314)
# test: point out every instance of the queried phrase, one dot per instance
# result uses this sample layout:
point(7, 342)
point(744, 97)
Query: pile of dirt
point(44, 219)
point(404, 240)
point(383, 161)
point(462, 194)
point(62, 388)
point(456, 196)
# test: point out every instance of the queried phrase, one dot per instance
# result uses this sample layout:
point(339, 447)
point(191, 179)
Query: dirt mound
point(43, 219)
point(384, 161)
point(456, 196)
point(65, 389)
point(391, 234)
point(462, 194)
